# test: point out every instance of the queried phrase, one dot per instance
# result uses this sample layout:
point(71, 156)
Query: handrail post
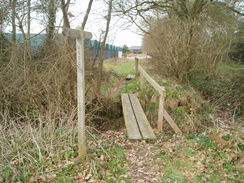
point(141, 81)
point(136, 64)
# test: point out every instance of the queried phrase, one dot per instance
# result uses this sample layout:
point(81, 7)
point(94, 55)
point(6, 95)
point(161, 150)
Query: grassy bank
point(47, 152)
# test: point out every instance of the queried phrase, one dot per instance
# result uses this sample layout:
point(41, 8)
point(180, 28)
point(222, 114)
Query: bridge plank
point(129, 117)
point(143, 123)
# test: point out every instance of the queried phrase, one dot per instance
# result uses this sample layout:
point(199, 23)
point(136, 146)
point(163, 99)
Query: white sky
point(119, 33)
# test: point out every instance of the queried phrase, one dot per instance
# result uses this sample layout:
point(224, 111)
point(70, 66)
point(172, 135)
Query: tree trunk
point(69, 50)
point(102, 48)
point(87, 14)
point(13, 8)
point(65, 7)
point(51, 21)
point(28, 22)
point(13, 22)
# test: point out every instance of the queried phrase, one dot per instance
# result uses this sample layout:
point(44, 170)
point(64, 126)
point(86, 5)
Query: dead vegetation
point(38, 87)
point(38, 110)
point(44, 85)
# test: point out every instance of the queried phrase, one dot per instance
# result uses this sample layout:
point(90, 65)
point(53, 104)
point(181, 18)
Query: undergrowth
point(39, 145)
point(31, 154)
point(198, 158)
point(41, 87)
point(38, 117)
point(224, 90)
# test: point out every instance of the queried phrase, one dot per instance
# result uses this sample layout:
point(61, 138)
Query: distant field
point(120, 67)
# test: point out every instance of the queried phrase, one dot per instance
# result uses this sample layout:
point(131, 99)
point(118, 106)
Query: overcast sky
point(119, 33)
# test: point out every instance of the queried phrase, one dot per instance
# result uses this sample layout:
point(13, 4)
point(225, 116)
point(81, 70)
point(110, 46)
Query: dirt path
point(141, 158)
point(142, 166)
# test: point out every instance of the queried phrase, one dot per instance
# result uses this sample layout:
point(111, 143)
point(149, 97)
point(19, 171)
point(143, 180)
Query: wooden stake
point(160, 112)
point(141, 81)
point(171, 122)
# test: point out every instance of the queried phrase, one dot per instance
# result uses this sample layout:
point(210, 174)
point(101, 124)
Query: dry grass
point(48, 154)
point(37, 109)
point(24, 149)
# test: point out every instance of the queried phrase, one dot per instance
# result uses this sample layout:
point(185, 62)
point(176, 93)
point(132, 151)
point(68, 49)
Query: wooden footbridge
point(136, 122)
point(137, 125)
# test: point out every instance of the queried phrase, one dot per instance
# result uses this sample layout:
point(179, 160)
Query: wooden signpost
point(79, 35)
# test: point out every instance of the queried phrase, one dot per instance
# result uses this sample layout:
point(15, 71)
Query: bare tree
point(4, 11)
point(192, 38)
point(13, 18)
point(28, 20)
point(65, 8)
point(140, 12)
point(51, 20)
point(102, 46)
point(87, 14)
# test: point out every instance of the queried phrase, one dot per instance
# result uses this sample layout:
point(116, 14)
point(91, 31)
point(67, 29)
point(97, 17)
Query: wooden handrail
point(155, 85)
point(162, 113)
point(161, 91)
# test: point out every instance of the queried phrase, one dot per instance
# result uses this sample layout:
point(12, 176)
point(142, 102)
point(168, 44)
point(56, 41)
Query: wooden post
point(81, 94)
point(161, 112)
point(136, 64)
point(141, 81)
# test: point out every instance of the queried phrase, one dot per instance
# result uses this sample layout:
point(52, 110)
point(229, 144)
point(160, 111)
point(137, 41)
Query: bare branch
point(87, 14)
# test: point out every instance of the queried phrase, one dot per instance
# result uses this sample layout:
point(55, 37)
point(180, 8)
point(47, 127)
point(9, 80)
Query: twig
point(98, 144)
point(38, 147)
point(233, 117)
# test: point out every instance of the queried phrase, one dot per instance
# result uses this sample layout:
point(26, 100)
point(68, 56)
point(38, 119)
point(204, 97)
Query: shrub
point(179, 46)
